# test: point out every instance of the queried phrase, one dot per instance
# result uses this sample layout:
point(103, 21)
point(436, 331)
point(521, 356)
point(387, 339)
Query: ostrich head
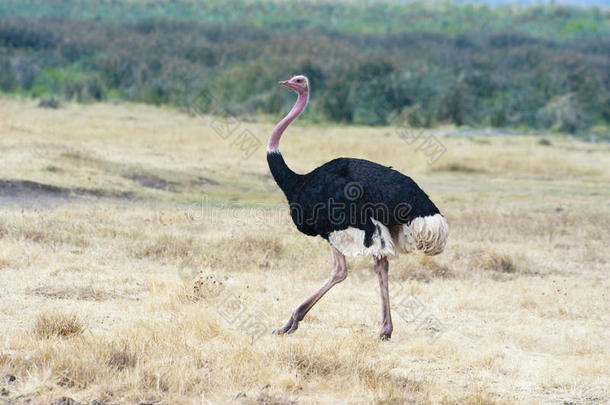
point(299, 84)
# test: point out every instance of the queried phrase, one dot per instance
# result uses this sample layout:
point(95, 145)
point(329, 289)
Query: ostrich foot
point(290, 326)
point(386, 332)
point(385, 336)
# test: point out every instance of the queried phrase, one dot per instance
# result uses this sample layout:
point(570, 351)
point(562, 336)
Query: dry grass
point(180, 257)
point(57, 324)
point(494, 261)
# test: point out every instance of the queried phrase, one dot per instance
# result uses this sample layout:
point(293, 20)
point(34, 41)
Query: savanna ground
point(109, 212)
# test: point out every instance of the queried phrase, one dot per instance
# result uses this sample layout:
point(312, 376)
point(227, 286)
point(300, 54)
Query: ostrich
point(359, 207)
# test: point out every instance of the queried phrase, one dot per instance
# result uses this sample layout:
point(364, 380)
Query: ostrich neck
point(276, 134)
point(288, 180)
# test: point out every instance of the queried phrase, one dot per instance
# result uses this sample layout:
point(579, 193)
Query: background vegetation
point(369, 63)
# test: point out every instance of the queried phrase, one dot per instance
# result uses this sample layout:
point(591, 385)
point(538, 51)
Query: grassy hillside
point(370, 63)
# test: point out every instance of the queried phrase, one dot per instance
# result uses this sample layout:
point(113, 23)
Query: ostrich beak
point(289, 85)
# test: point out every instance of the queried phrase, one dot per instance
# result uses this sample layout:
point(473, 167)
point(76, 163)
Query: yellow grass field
point(144, 259)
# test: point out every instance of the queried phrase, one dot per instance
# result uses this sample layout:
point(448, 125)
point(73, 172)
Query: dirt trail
point(28, 193)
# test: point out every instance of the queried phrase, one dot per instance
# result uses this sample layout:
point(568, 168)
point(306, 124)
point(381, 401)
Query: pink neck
point(276, 134)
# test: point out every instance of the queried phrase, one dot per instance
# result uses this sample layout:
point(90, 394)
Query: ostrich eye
point(299, 80)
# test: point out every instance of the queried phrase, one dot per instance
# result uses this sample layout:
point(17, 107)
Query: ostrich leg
point(381, 268)
point(337, 275)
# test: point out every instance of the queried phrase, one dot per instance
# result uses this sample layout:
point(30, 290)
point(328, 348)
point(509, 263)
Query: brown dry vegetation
point(57, 324)
point(98, 299)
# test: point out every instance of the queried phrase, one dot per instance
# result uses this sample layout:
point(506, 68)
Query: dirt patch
point(97, 192)
point(204, 181)
point(26, 188)
point(150, 180)
point(24, 191)
point(183, 181)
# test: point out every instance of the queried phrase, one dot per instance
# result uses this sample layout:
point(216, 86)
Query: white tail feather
point(430, 233)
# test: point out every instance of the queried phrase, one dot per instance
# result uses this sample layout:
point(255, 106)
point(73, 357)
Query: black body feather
point(349, 192)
